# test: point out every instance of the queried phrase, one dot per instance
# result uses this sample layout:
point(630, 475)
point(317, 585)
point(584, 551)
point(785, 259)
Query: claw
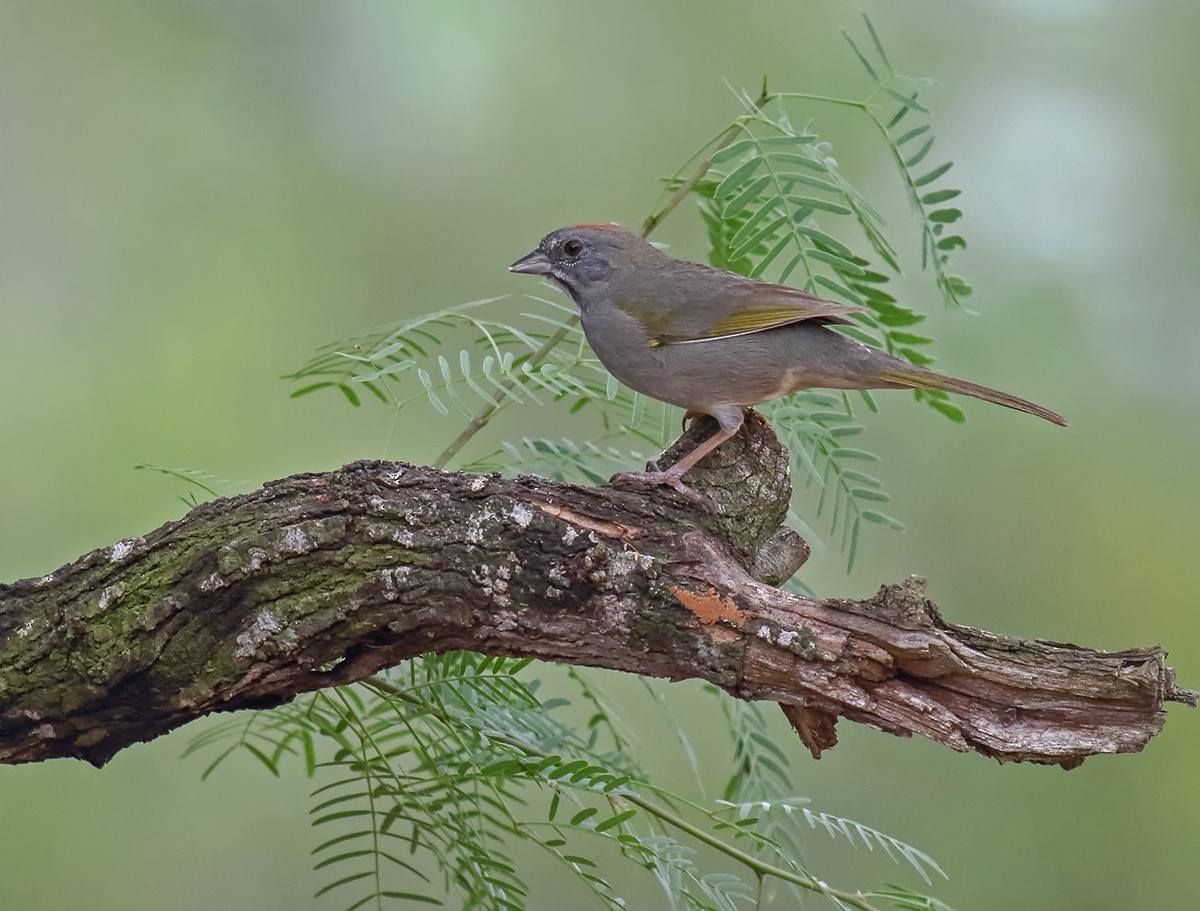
point(668, 478)
point(729, 420)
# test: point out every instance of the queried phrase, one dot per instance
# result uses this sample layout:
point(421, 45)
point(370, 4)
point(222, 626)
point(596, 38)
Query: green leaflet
point(425, 778)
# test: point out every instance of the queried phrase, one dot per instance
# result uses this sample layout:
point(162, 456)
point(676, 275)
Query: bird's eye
point(573, 247)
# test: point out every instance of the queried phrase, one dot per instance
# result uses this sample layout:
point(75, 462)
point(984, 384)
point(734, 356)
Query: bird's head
point(582, 259)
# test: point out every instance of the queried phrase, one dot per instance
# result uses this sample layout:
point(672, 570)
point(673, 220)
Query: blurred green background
point(194, 195)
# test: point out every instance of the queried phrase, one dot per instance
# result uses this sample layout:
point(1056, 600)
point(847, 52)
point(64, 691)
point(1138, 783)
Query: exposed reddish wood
point(323, 579)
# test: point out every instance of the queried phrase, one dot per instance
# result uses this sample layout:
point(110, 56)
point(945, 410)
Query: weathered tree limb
point(323, 579)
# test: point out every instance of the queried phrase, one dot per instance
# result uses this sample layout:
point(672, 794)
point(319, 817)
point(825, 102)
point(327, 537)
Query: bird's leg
point(729, 419)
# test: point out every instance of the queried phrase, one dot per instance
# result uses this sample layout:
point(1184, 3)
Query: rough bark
point(323, 579)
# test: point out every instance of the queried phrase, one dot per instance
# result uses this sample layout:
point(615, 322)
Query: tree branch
point(324, 579)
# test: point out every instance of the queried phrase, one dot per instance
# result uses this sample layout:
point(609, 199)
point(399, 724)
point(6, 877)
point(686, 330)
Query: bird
point(714, 342)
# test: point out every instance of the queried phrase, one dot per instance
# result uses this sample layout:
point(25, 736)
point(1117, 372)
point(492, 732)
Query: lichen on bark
point(323, 579)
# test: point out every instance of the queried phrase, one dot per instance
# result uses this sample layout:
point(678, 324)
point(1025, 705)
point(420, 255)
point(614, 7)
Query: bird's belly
point(700, 375)
point(739, 370)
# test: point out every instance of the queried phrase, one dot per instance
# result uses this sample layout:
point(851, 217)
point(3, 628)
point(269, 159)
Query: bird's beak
point(535, 263)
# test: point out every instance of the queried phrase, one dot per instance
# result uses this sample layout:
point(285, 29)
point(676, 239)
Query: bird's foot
point(669, 478)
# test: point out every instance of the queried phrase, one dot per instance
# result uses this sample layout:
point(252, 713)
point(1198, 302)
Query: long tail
point(927, 379)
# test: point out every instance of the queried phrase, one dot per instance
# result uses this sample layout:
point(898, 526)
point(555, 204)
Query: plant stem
point(485, 414)
point(825, 99)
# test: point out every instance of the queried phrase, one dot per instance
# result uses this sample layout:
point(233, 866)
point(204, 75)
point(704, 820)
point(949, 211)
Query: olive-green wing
point(741, 308)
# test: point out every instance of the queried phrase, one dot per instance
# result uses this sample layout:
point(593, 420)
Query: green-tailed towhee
point(714, 342)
